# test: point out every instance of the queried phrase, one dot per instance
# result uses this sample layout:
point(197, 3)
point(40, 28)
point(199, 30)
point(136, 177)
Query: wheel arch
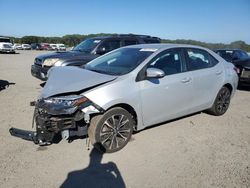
point(130, 109)
point(229, 86)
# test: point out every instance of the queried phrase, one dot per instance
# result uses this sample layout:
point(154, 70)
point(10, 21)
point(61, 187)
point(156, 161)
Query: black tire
point(221, 102)
point(111, 131)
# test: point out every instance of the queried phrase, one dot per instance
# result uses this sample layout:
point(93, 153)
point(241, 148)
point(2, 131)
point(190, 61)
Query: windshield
point(6, 46)
point(87, 45)
point(119, 62)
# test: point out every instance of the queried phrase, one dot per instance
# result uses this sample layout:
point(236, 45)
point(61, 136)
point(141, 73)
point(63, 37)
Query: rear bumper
point(39, 72)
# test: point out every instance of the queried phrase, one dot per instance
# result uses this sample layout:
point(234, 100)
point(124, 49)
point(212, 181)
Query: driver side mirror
point(101, 51)
point(154, 73)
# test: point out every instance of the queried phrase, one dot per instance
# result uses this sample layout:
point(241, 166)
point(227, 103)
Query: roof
point(164, 46)
point(228, 49)
point(126, 35)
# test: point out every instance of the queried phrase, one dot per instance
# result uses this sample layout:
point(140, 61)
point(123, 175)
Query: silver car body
point(153, 102)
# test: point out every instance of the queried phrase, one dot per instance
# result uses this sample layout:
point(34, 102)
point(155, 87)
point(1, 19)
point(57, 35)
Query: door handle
point(185, 80)
point(218, 72)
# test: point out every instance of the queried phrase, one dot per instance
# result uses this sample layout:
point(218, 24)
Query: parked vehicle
point(128, 90)
point(17, 46)
point(45, 46)
point(26, 47)
point(36, 46)
point(61, 47)
point(6, 48)
point(6, 45)
point(53, 46)
point(240, 59)
point(86, 51)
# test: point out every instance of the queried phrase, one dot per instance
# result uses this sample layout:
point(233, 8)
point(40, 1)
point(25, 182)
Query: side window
point(168, 61)
point(150, 41)
point(243, 55)
point(129, 42)
point(236, 55)
point(197, 59)
point(110, 45)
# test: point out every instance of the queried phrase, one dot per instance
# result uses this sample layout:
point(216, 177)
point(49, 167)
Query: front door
point(168, 97)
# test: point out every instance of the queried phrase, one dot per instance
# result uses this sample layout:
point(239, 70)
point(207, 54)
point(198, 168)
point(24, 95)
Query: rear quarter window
point(213, 60)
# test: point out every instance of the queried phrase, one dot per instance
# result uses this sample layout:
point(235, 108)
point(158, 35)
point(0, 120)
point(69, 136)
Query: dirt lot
point(196, 151)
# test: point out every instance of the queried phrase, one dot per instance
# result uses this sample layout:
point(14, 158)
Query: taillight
point(237, 70)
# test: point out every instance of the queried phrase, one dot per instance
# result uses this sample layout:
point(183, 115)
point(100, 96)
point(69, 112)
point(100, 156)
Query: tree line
point(74, 39)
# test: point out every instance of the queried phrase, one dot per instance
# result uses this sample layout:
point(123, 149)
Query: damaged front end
point(59, 117)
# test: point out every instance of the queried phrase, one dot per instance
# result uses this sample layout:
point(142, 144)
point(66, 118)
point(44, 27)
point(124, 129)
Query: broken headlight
point(63, 104)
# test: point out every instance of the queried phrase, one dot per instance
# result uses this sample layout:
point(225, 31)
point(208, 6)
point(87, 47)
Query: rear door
point(207, 75)
point(168, 97)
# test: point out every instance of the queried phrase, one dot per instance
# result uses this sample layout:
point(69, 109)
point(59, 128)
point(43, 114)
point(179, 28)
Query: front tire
point(221, 102)
point(111, 131)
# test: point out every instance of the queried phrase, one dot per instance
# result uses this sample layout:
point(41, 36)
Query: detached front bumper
point(26, 135)
point(50, 129)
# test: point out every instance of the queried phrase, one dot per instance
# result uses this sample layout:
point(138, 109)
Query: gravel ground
point(196, 151)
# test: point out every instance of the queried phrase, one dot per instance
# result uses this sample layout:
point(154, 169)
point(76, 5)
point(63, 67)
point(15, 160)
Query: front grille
point(53, 123)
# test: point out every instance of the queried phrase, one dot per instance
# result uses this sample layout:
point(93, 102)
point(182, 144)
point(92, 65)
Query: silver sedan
point(130, 89)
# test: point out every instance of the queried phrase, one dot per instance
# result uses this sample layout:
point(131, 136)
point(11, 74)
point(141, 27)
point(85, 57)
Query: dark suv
point(86, 51)
point(240, 59)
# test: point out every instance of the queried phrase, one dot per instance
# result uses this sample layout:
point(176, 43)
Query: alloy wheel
point(115, 131)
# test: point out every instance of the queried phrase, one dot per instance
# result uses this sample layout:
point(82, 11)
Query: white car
point(6, 45)
point(6, 48)
point(17, 46)
point(61, 47)
point(53, 46)
point(26, 47)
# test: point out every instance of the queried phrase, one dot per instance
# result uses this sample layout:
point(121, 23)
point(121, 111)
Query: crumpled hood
point(72, 79)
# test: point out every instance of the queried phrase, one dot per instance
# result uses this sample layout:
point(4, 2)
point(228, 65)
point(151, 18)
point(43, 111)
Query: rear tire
point(111, 131)
point(221, 102)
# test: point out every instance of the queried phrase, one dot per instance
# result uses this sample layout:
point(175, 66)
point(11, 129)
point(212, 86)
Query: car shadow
point(5, 84)
point(96, 174)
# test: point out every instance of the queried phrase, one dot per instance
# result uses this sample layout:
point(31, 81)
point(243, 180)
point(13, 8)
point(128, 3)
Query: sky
point(204, 20)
